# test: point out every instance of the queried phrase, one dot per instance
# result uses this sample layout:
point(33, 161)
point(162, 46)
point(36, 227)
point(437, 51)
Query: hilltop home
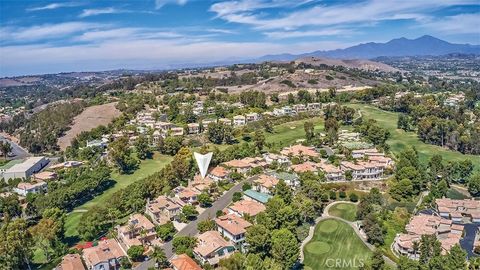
point(176, 131)
point(363, 170)
point(106, 255)
point(193, 128)
point(212, 247)
point(225, 121)
point(24, 188)
point(138, 231)
point(300, 108)
point(163, 209)
point(314, 106)
point(252, 117)
point(233, 227)
point(239, 120)
point(332, 173)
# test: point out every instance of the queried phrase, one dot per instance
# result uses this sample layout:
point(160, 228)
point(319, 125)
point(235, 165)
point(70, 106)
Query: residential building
point(314, 106)
point(363, 170)
point(225, 121)
point(459, 210)
point(287, 110)
point(176, 131)
point(186, 194)
point(265, 183)
point(71, 262)
point(360, 153)
point(332, 173)
point(305, 167)
point(183, 262)
point(138, 231)
point(212, 247)
point(447, 233)
point(249, 207)
point(299, 150)
point(252, 117)
point(232, 227)
point(104, 256)
point(193, 128)
point(239, 120)
point(25, 188)
point(279, 159)
point(253, 195)
point(97, 143)
point(206, 122)
point(239, 165)
point(164, 209)
point(219, 173)
point(300, 108)
point(23, 169)
point(291, 179)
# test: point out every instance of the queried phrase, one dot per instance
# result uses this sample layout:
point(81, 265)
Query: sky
point(38, 37)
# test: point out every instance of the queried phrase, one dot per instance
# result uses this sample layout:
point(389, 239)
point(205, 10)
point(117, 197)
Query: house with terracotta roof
point(232, 227)
point(219, 173)
point(458, 210)
point(183, 262)
point(138, 231)
point(249, 207)
point(164, 209)
point(239, 165)
point(305, 167)
point(71, 262)
point(188, 195)
point(265, 183)
point(331, 172)
point(363, 170)
point(24, 188)
point(106, 255)
point(447, 233)
point(212, 247)
point(299, 150)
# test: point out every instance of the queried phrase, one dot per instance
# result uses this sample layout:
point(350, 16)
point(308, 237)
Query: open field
point(90, 118)
point(347, 211)
point(288, 133)
point(400, 139)
point(335, 241)
point(147, 167)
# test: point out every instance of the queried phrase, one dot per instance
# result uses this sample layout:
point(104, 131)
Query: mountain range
point(425, 45)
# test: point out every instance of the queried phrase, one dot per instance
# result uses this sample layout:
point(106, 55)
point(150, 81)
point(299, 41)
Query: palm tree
point(160, 258)
point(131, 229)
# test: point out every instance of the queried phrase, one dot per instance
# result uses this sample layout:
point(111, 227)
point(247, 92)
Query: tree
point(161, 260)
point(120, 155)
point(474, 184)
point(142, 148)
point(171, 145)
point(206, 225)
point(189, 212)
point(274, 98)
point(456, 258)
point(5, 148)
point(135, 252)
point(237, 196)
point(204, 199)
point(285, 248)
point(309, 130)
point(166, 231)
point(283, 191)
point(259, 139)
point(353, 197)
point(377, 261)
point(290, 99)
point(258, 239)
point(184, 244)
point(402, 190)
point(45, 235)
point(15, 245)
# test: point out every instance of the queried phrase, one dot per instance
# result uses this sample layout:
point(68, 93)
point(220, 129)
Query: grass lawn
point(347, 211)
point(335, 241)
point(288, 133)
point(400, 139)
point(147, 167)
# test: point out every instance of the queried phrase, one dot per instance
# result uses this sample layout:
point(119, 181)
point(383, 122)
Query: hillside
point(348, 63)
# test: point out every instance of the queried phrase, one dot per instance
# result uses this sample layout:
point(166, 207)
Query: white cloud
point(94, 12)
point(20, 34)
point(160, 3)
point(220, 31)
point(466, 23)
point(53, 6)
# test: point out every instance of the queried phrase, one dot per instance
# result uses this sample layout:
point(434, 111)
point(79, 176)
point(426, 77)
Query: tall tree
point(285, 248)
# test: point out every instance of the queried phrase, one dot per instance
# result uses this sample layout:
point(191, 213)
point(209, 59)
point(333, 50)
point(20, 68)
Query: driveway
point(469, 238)
point(191, 228)
point(17, 151)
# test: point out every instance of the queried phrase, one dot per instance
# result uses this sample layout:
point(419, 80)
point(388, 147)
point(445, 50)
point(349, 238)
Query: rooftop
point(258, 196)
point(183, 262)
point(209, 242)
point(233, 224)
point(252, 208)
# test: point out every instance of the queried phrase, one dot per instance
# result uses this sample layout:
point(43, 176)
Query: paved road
point(17, 151)
point(191, 228)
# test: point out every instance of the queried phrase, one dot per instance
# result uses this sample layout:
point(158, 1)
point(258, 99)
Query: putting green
point(345, 210)
point(318, 247)
point(329, 225)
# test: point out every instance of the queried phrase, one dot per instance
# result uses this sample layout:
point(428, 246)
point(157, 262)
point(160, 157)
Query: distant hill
point(348, 63)
point(425, 45)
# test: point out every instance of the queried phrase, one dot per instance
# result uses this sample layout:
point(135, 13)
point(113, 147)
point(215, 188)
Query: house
point(212, 247)
point(225, 121)
point(279, 159)
point(45, 176)
point(459, 210)
point(252, 117)
point(97, 143)
point(291, 179)
point(363, 170)
point(360, 153)
point(22, 168)
point(332, 173)
point(193, 128)
point(183, 262)
point(448, 234)
point(239, 165)
point(239, 120)
point(253, 195)
point(106, 255)
point(287, 110)
point(164, 209)
point(25, 188)
point(265, 183)
point(163, 126)
point(138, 231)
point(71, 262)
point(305, 167)
point(219, 173)
point(314, 106)
point(232, 227)
point(242, 207)
point(278, 112)
point(206, 122)
point(186, 194)
point(299, 150)
point(176, 131)
point(300, 108)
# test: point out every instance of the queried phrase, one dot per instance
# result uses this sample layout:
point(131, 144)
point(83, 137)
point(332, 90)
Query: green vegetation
point(400, 140)
point(336, 240)
point(288, 133)
point(146, 168)
point(347, 211)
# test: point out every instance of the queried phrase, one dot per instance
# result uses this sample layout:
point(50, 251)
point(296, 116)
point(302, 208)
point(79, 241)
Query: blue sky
point(86, 35)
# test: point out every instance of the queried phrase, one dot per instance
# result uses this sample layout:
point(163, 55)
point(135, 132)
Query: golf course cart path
point(326, 216)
